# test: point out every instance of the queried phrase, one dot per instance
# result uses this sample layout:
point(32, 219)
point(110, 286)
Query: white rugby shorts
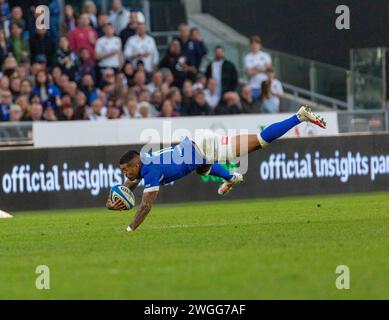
point(213, 147)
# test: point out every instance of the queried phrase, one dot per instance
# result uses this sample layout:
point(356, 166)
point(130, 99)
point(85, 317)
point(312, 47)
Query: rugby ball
point(123, 193)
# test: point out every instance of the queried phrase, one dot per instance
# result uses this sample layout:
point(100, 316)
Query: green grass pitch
point(258, 249)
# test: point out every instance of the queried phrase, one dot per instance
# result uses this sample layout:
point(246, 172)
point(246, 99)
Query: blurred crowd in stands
point(98, 66)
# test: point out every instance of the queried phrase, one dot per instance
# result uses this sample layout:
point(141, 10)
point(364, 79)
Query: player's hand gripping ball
point(124, 194)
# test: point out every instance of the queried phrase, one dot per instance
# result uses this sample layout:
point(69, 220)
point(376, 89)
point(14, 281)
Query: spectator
point(130, 30)
point(67, 60)
point(66, 100)
point(63, 82)
point(55, 16)
point(24, 67)
point(48, 93)
point(42, 46)
point(36, 112)
point(108, 50)
point(49, 114)
point(139, 82)
point(25, 88)
point(19, 45)
point(177, 64)
point(175, 98)
point(229, 105)
point(165, 89)
point(87, 65)
point(98, 111)
point(199, 106)
point(202, 49)
point(249, 105)
point(223, 71)
point(17, 17)
point(67, 113)
point(142, 47)
point(156, 103)
point(276, 90)
point(167, 110)
point(9, 66)
point(201, 82)
point(83, 36)
point(187, 95)
point(144, 96)
point(268, 104)
point(89, 89)
point(191, 48)
point(5, 105)
point(255, 64)
point(113, 111)
point(167, 76)
point(131, 110)
point(128, 72)
point(35, 99)
point(156, 81)
point(5, 47)
point(4, 83)
point(23, 102)
point(70, 20)
point(35, 68)
point(108, 77)
point(5, 14)
point(15, 85)
point(56, 74)
point(71, 89)
point(102, 20)
point(120, 81)
point(81, 106)
point(140, 66)
point(15, 113)
point(119, 16)
point(211, 95)
point(91, 10)
point(144, 109)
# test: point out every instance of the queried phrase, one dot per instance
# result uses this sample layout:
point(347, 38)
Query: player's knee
point(204, 170)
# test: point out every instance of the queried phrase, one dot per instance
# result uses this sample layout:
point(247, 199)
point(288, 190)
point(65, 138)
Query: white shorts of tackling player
point(214, 147)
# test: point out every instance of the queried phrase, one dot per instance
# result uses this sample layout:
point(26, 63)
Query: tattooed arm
point(131, 184)
point(143, 210)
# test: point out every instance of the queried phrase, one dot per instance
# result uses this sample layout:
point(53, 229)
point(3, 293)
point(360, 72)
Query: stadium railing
point(16, 134)
point(363, 121)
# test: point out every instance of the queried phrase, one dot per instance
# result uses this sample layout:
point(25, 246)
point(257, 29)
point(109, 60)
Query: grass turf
point(258, 249)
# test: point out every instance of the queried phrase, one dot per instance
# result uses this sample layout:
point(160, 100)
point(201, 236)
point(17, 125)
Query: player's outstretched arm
point(148, 199)
point(119, 204)
point(131, 184)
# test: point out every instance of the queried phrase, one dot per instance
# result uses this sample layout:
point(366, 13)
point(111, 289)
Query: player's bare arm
point(131, 184)
point(119, 205)
point(148, 199)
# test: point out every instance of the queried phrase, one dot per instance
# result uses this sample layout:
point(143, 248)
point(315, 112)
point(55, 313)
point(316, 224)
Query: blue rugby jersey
point(170, 164)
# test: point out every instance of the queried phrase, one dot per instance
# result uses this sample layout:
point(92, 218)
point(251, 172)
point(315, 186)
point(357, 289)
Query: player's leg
point(245, 144)
point(218, 170)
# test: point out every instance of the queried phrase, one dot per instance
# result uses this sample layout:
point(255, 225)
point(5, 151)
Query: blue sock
point(219, 171)
point(278, 129)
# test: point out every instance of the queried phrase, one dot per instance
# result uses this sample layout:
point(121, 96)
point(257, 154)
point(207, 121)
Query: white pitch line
point(182, 226)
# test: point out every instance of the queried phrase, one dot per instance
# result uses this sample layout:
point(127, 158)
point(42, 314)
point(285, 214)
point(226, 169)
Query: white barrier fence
point(164, 130)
